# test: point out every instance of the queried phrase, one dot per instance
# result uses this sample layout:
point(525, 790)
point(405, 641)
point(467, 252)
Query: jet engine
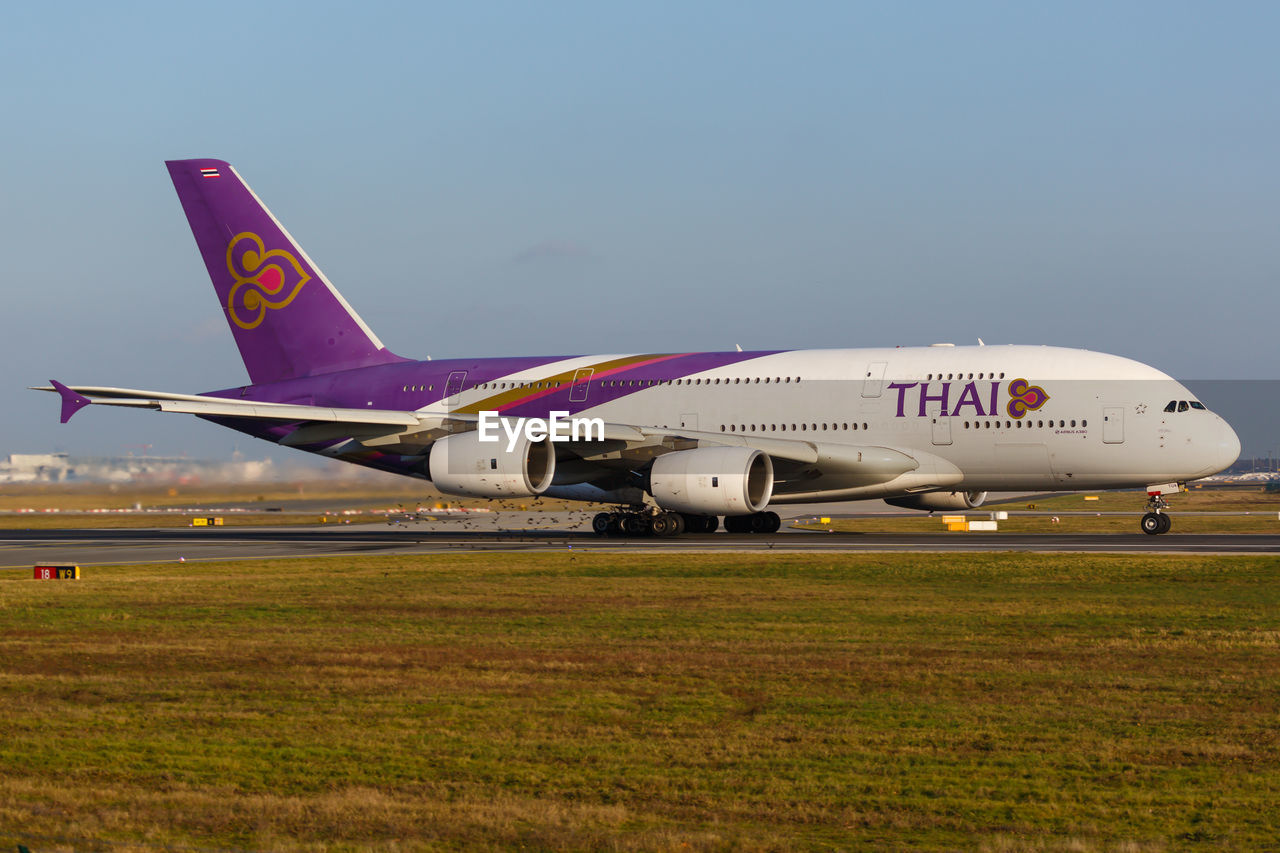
point(712, 481)
point(940, 500)
point(462, 464)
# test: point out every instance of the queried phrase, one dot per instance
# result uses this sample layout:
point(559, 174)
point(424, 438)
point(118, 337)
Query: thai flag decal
point(210, 173)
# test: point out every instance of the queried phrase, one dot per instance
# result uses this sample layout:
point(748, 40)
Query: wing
point(804, 470)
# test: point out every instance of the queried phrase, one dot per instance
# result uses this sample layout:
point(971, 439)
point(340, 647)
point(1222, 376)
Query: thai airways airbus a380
point(674, 440)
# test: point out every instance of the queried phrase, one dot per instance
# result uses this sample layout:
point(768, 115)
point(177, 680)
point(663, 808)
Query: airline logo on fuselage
point(1025, 397)
point(982, 397)
point(265, 280)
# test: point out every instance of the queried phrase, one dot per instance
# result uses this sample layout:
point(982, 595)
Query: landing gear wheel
point(756, 522)
point(699, 523)
point(600, 524)
point(635, 525)
point(664, 524)
point(1156, 521)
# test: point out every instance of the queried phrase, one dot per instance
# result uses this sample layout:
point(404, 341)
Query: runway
point(21, 549)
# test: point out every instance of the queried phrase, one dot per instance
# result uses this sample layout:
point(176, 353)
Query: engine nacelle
point(940, 500)
point(712, 480)
point(462, 464)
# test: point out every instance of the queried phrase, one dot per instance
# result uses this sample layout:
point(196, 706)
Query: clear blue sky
point(595, 177)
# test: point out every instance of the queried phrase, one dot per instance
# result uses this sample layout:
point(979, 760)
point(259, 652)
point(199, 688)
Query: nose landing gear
point(1156, 521)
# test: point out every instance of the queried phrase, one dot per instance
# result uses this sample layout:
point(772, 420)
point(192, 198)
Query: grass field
point(98, 506)
point(575, 701)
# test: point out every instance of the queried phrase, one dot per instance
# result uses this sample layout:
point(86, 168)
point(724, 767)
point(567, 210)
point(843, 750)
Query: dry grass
point(86, 496)
point(1045, 523)
point(1196, 511)
point(99, 506)
point(587, 701)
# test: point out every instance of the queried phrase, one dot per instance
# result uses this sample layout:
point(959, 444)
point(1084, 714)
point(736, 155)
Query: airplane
point(675, 441)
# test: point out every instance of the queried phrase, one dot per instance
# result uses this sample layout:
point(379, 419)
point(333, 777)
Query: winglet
point(71, 401)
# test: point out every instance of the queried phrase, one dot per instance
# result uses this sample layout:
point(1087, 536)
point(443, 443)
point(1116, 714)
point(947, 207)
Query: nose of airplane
point(1224, 448)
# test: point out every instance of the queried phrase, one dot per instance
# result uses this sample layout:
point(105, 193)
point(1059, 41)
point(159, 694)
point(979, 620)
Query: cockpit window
point(1198, 405)
point(1172, 407)
point(1182, 406)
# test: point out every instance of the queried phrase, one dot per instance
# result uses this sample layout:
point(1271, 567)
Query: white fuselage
point(1086, 420)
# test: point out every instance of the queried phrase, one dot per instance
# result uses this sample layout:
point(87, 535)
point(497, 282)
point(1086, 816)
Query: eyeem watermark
point(557, 427)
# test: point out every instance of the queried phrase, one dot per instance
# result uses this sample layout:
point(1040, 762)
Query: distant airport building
point(63, 468)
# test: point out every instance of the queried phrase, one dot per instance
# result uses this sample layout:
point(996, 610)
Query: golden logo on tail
point(265, 280)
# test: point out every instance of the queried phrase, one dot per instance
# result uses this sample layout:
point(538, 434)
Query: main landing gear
point(756, 522)
point(648, 523)
point(1156, 521)
point(633, 522)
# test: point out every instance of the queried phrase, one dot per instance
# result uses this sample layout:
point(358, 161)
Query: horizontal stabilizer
point(199, 404)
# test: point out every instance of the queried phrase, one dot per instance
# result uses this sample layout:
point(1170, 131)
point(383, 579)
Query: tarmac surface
point(21, 549)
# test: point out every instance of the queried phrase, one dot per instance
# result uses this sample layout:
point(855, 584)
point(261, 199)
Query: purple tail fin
point(288, 320)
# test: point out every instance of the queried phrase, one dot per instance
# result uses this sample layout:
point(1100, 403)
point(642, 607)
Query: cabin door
point(581, 384)
point(1113, 425)
point(940, 424)
point(453, 387)
point(873, 381)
